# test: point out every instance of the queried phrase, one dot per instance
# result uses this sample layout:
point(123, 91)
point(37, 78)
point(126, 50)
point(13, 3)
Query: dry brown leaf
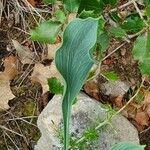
point(118, 101)
point(10, 67)
point(51, 51)
point(147, 98)
point(142, 118)
point(148, 110)
point(32, 2)
point(24, 53)
point(130, 111)
point(41, 73)
point(92, 89)
point(5, 94)
point(9, 73)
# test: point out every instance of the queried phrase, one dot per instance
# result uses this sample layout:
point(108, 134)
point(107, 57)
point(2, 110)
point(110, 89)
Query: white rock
point(85, 112)
point(116, 88)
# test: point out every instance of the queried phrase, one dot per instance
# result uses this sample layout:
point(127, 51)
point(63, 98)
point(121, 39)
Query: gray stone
point(85, 113)
point(115, 88)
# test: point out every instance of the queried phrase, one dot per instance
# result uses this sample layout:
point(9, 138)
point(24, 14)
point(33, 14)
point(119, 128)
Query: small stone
point(116, 88)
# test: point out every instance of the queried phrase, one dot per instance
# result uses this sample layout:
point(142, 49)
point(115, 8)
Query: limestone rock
point(85, 112)
point(116, 88)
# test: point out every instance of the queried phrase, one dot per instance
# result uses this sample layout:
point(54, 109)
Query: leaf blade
point(127, 146)
point(73, 61)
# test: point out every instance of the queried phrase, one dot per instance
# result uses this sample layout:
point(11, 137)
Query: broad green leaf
point(147, 2)
point(127, 146)
point(103, 40)
point(111, 76)
point(73, 61)
point(147, 11)
point(133, 23)
point(145, 66)
point(141, 52)
point(60, 16)
point(117, 32)
point(90, 5)
point(71, 5)
point(55, 86)
point(46, 32)
point(49, 1)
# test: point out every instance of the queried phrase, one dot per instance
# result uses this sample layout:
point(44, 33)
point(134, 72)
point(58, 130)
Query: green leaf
point(111, 76)
point(49, 1)
point(73, 61)
point(55, 86)
point(117, 32)
point(60, 16)
point(147, 11)
point(141, 52)
point(46, 32)
point(90, 5)
point(127, 146)
point(71, 5)
point(145, 66)
point(103, 40)
point(115, 17)
point(110, 2)
point(133, 23)
point(147, 2)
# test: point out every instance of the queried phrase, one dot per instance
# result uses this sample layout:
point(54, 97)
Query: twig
point(3, 127)
point(131, 99)
point(11, 140)
point(122, 6)
point(139, 12)
point(113, 51)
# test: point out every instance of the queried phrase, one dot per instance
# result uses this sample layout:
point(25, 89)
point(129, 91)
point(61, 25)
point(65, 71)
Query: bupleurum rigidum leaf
point(73, 61)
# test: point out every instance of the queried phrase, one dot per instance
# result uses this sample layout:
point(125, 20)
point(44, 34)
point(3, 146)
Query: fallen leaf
point(148, 110)
point(131, 110)
point(41, 73)
point(10, 67)
point(32, 2)
point(9, 73)
point(142, 118)
point(24, 53)
point(5, 94)
point(146, 98)
point(91, 88)
point(51, 51)
point(118, 101)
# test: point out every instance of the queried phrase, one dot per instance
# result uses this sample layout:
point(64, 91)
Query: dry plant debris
point(9, 73)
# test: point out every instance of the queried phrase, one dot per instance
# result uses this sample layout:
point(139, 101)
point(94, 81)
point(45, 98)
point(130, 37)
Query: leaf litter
point(124, 66)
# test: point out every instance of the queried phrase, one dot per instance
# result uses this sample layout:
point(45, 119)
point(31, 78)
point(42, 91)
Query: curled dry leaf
point(9, 73)
point(91, 88)
point(142, 118)
point(41, 73)
point(24, 53)
point(118, 101)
